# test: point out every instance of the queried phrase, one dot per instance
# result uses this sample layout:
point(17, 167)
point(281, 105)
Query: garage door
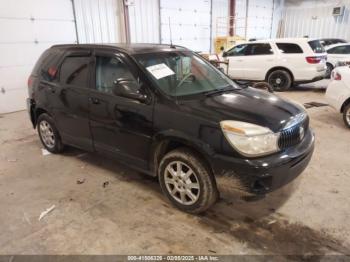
point(27, 28)
point(190, 23)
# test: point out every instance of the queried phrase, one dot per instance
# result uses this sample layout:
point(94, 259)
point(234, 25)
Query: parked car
point(280, 62)
point(331, 41)
point(169, 113)
point(337, 53)
point(338, 92)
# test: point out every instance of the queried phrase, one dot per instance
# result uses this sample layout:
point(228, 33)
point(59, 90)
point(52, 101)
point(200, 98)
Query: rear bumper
point(30, 105)
point(316, 78)
point(263, 175)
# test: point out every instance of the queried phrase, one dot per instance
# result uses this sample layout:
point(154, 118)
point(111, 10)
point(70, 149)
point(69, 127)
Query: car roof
point(330, 39)
point(335, 45)
point(284, 40)
point(139, 48)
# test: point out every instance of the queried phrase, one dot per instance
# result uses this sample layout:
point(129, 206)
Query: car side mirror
point(224, 54)
point(129, 89)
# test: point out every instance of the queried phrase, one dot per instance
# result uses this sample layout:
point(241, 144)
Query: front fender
point(162, 140)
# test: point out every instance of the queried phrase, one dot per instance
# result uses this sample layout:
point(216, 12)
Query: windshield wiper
point(219, 90)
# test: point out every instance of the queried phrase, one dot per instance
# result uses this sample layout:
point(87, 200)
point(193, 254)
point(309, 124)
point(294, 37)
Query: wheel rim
point(182, 183)
point(47, 134)
point(278, 80)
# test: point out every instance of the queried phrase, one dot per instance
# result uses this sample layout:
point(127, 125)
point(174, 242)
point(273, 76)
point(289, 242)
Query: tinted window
point(108, 71)
point(74, 71)
point(288, 48)
point(47, 65)
point(326, 42)
point(345, 49)
point(316, 46)
point(259, 49)
point(238, 50)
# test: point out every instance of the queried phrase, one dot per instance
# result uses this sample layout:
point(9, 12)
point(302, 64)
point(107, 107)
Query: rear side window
point(316, 46)
point(46, 67)
point(74, 71)
point(259, 49)
point(289, 48)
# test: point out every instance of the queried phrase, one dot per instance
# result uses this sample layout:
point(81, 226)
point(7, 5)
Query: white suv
point(280, 62)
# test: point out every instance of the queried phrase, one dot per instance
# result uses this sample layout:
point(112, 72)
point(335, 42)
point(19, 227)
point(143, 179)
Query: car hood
point(248, 105)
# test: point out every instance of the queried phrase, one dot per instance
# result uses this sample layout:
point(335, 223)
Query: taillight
point(336, 76)
point(30, 82)
point(313, 59)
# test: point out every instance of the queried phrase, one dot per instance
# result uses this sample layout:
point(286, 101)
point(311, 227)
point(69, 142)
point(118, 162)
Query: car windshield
point(183, 73)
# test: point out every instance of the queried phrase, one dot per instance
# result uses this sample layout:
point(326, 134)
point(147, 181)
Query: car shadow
point(233, 205)
point(257, 224)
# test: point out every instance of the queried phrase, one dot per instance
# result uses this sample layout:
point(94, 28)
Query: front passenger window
point(238, 50)
point(108, 71)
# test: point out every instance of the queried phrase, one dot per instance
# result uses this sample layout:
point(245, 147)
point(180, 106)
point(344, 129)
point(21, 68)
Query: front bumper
point(263, 175)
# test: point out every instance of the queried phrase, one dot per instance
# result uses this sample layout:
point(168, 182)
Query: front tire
point(48, 134)
point(346, 115)
point(187, 181)
point(280, 80)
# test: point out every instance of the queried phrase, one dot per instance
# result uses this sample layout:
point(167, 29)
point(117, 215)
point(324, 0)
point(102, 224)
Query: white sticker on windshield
point(159, 71)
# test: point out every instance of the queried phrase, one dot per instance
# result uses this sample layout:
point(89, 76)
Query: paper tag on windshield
point(159, 71)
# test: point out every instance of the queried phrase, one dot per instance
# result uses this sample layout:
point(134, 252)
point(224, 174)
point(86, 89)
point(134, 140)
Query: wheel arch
point(36, 113)
point(346, 102)
point(166, 143)
point(279, 68)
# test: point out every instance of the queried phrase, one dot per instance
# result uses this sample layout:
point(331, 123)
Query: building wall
point(190, 23)
point(258, 21)
point(220, 14)
point(315, 19)
point(144, 21)
point(27, 28)
point(99, 21)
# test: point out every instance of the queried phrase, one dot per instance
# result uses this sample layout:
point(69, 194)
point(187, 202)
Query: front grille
point(292, 135)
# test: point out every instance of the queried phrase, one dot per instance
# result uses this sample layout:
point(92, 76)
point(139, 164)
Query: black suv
point(167, 112)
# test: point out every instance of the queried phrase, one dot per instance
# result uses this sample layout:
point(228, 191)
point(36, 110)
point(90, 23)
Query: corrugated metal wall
point(144, 21)
point(99, 21)
point(315, 19)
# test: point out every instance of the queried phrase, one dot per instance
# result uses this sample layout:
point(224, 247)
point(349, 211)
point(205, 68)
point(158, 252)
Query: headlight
point(249, 139)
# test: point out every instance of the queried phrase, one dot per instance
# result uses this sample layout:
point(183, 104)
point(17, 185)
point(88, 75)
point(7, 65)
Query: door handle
point(94, 100)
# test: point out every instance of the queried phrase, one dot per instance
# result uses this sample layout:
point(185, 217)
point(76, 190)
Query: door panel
point(69, 102)
point(258, 60)
point(121, 127)
point(235, 57)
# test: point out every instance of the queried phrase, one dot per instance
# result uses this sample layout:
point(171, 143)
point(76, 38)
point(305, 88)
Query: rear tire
point(280, 80)
point(346, 115)
point(186, 181)
point(48, 134)
point(329, 71)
